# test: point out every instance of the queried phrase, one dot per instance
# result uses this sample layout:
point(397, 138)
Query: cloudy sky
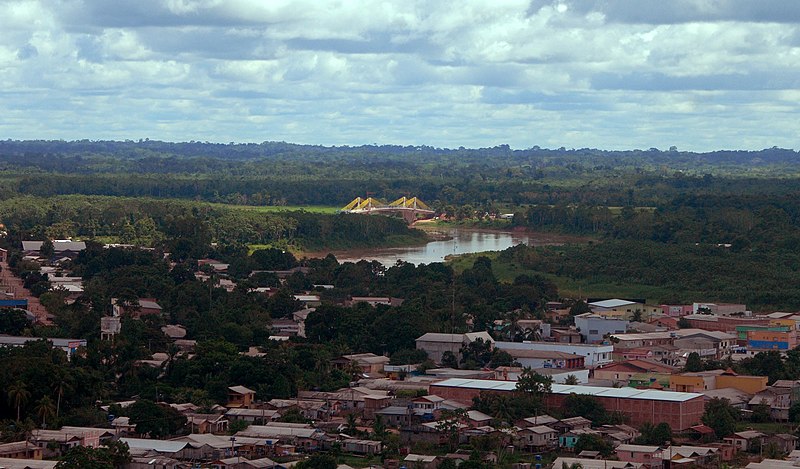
point(616, 74)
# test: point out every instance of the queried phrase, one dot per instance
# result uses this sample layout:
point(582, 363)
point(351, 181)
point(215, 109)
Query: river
point(456, 241)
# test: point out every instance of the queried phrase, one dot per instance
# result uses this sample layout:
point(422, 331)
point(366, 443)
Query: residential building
point(721, 309)
point(646, 339)
point(595, 328)
point(622, 309)
point(20, 450)
point(594, 354)
point(546, 359)
point(716, 379)
point(240, 396)
point(436, 344)
point(538, 437)
point(743, 441)
point(648, 456)
point(779, 401)
point(650, 370)
point(369, 363)
point(12, 463)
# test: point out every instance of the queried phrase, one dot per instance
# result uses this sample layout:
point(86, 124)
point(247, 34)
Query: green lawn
point(567, 287)
point(282, 208)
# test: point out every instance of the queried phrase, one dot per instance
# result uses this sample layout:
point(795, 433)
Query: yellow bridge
point(410, 209)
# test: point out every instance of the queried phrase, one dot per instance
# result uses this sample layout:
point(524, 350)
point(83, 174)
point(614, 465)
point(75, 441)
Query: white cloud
point(572, 73)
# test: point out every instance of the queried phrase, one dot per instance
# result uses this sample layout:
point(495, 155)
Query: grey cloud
point(545, 101)
point(684, 11)
point(656, 81)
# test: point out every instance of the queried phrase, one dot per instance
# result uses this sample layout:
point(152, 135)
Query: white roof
point(595, 463)
point(629, 393)
point(638, 448)
point(419, 458)
point(613, 303)
point(159, 446)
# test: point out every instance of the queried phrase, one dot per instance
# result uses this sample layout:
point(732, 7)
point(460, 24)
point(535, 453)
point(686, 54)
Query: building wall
point(594, 355)
point(435, 350)
point(594, 329)
point(679, 415)
point(748, 384)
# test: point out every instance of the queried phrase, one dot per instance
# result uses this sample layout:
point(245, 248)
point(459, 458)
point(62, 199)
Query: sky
point(612, 74)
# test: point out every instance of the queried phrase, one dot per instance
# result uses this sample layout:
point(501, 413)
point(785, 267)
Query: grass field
point(567, 287)
point(282, 208)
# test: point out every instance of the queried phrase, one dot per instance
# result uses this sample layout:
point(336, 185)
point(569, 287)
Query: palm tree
point(60, 386)
point(45, 409)
point(18, 396)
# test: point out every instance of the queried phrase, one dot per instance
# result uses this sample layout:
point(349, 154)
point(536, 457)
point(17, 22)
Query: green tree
point(693, 363)
point(761, 413)
point(317, 461)
point(654, 434)
point(571, 380)
point(155, 420)
point(45, 410)
point(18, 396)
point(721, 416)
point(591, 442)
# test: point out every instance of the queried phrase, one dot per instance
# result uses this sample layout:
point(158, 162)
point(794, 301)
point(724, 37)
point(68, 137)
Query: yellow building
point(716, 379)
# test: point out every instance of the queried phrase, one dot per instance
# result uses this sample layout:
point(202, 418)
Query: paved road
point(13, 285)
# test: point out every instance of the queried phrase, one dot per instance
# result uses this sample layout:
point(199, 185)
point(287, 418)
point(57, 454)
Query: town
point(551, 382)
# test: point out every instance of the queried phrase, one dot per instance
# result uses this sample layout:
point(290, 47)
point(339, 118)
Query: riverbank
point(450, 241)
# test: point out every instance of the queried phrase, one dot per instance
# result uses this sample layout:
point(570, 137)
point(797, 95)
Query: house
point(537, 438)
point(783, 441)
point(745, 440)
point(61, 248)
point(585, 463)
point(252, 415)
point(206, 423)
point(374, 301)
point(421, 461)
point(301, 435)
point(778, 399)
point(669, 323)
point(110, 327)
point(369, 363)
point(160, 462)
point(649, 370)
point(537, 420)
point(691, 456)
point(645, 339)
point(146, 446)
point(244, 463)
point(648, 456)
point(594, 328)
point(622, 309)
point(11, 463)
point(571, 424)
point(694, 339)
point(20, 450)
point(142, 307)
point(569, 439)
point(546, 359)
point(240, 396)
point(619, 434)
point(367, 447)
point(594, 354)
point(565, 336)
point(436, 344)
point(661, 353)
point(714, 379)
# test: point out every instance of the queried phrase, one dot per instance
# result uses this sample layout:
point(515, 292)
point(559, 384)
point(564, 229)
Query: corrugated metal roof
point(599, 391)
point(612, 303)
point(160, 446)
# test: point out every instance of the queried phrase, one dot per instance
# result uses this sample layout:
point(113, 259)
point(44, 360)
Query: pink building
point(648, 456)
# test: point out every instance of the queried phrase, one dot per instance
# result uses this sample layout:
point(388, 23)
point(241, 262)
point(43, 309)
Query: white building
point(594, 355)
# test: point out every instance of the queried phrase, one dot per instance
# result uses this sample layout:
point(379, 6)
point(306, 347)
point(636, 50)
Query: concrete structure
point(647, 339)
point(436, 344)
point(594, 328)
point(679, 409)
point(649, 456)
point(622, 309)
point(717, 379)
point(594, 355)
point(721, 309)
point(711, 322)
point(240, 397)
point(649, 370)
point(546, 359)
